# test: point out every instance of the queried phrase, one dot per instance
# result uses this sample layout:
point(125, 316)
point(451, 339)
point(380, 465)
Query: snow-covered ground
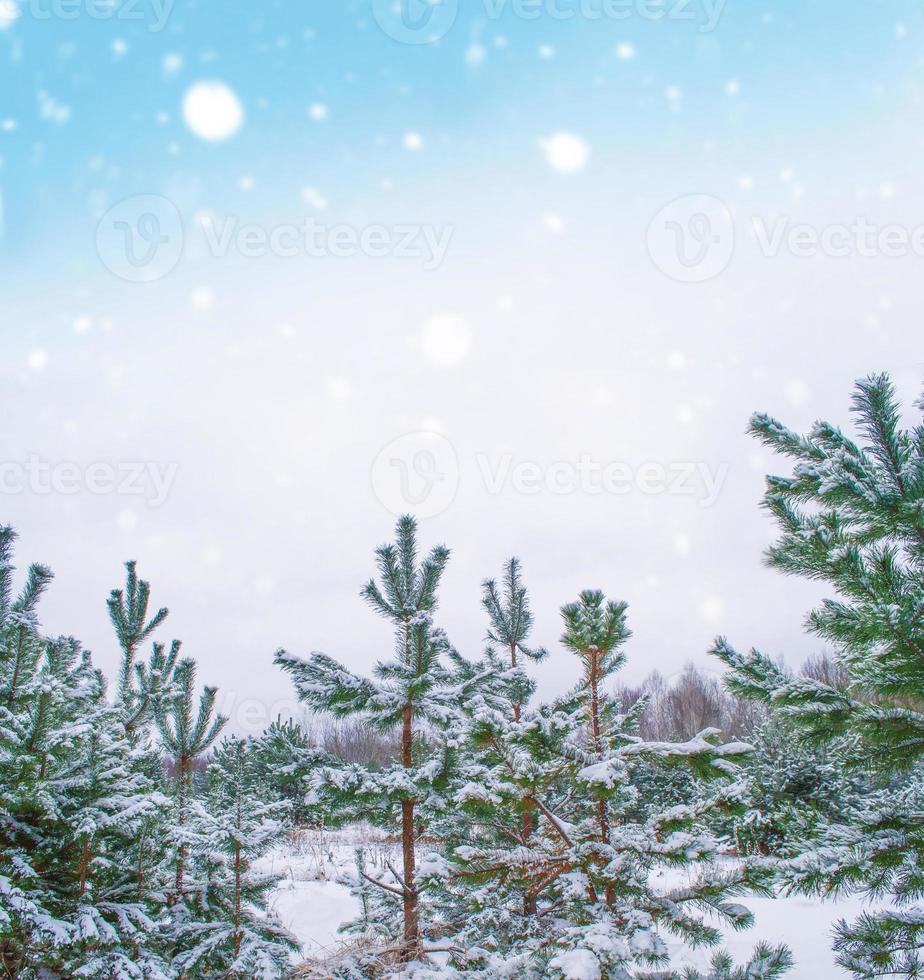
point(309, 901)
point(313, 905)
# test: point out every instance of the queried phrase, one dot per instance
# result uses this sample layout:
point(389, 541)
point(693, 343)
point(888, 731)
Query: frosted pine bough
point(852, 516)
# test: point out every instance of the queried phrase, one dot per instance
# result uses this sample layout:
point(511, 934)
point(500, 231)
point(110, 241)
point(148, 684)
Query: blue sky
point(265, 388)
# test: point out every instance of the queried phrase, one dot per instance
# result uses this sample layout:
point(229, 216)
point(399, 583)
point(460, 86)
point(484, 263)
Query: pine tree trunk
point(10, 959)
point(526, 820)
point(125, 673)
point(84, 866)
point(411, 921)
point(139, 873)
point(181, 822)
point(517, 707)
point(14, 683)
point(238, 869)
point(602, 810)
point(237, 901)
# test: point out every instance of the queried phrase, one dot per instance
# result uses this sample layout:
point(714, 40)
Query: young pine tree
point(128, 611)
point(511, 623)
point(187, 733)
point(110, 800)
point(24, 919)
point(790, 787)
point(493, 775)
point(72, 798)
point(852, 516)
point(589, 865)
point(286, 757)
point(144, 688)
point(233, 936)
point(413, 693)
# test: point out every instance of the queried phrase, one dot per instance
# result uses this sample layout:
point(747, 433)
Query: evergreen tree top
point(22, 609)
point(406, 587)
point(852, 516)
point(188, 732)
point(128, 610)
point(509, 612)
point(595, 625)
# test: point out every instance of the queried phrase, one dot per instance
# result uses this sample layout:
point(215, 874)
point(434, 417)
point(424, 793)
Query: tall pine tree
point(73, 797)
point(232, 935)
point(414, 693)
point(852, 517)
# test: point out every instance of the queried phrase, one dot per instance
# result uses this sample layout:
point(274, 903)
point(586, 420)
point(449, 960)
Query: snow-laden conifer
point(851, 516)
point(73, 798)
point(229, 932)
point(607, 893)
point(416, 693)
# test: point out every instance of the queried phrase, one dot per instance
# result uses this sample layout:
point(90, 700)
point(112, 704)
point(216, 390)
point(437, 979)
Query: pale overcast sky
point(528, 280)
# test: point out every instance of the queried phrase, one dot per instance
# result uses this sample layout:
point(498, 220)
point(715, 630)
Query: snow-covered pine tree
point(232, 935)
point(511, 621)
point(852, 516)
point(24, 919)
point(589, 867)
point(71, 799)
point(128, 611)
point(109, 801)
point(413, 693)
point(790, 786)
point(286, 759)
point(187, 732)
point(492, 778)
point(144, 686)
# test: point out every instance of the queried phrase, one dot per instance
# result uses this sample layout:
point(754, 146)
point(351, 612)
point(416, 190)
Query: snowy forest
point(484, 831)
